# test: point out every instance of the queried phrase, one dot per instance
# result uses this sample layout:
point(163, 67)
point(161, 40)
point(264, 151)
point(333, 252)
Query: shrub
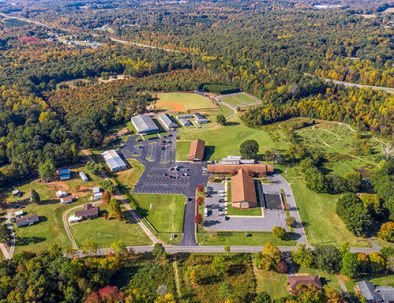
point(279, 232)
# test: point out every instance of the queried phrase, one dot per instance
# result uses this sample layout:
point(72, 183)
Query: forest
point(277, 52)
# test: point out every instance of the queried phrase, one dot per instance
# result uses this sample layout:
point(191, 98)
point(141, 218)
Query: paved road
point(390, 90)
point(280, 183)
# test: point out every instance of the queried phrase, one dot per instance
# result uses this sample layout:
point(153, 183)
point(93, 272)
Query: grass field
point(271, 282)
point(50, 229)
point(221, 141)
point(183, 102)
point(105, 232)
point(241, 99)
point(130, 177)
point(164, 214)
point(317, 211)
point(239, 238)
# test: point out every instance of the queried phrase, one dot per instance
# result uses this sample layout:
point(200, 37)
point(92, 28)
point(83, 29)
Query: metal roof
point(113, 160)
point(167, 121)
point(144, 123)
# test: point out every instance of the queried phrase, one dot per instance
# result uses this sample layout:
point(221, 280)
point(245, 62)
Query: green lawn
point(338, 141)
point(384, 281)
point(163, 214)
point(317, 211)
point(241, 99)
point(50, 229)
point(239, 239)
point(130, 177)
point(273, 283)
point(105, 232)
point(222, 141)
point(182, 150)
point(330, 280)
point(183, 102)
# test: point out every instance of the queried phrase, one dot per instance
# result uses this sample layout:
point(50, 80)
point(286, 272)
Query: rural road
point(389, 90)
point(94, 35)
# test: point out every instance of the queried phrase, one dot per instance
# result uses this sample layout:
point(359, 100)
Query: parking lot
point(218, 221)
point(162, 174)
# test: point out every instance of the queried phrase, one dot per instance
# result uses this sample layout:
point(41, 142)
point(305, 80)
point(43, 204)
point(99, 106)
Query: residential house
point(88, 211)
point(27, 220)
point(375, 294)
point(64, 174)
point(295, 282)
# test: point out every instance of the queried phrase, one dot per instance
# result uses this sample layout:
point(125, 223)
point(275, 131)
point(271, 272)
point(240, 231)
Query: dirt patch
point(56, 185)
point(177, 107)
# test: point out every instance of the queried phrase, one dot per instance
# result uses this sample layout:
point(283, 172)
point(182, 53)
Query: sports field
point(241, 99)
point(183, 102)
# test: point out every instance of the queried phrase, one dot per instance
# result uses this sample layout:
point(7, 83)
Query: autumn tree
point(386, 231)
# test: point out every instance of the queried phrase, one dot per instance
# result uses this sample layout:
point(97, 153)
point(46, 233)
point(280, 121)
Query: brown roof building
point(296, 282)
point(243, 191)
point(196, 151)
point(258, 169)
point(88, 211)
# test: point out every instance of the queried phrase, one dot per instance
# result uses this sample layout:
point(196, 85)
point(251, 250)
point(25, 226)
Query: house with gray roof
point(114, 161)
point(375, 294)
point(144, 125)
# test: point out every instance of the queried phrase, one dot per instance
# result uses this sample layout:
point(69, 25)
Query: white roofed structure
point(114, 161)
point(144, 124)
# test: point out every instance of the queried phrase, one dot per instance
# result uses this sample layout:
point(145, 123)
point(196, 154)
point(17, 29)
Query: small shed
point(18, 213)
point(66, 200)
point(16, 193)
point(61, 194)
point(97, 194)
point(83, 176)
point(64, 174)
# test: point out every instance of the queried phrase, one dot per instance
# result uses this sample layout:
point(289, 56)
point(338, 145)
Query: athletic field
point(183, 102)
point(241, 99)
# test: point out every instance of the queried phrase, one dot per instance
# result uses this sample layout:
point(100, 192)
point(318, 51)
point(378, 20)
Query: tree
point(357, 218)
point(115, 211)
point(34, 196)
point(353, 181)
point(119, 247)
point(377, 262)
point(291, 221)
point(303, 256)
point(89, 246)
point(47, 170)
point(262, 297)
point(279, 232)
point(227, 249)
point(328, 258)
point(218, 265)
point(4, 234)
point(350, 265)
point(221, 119)
point(386, 231)
point(158, 250)
point(106, 197)
point(249, 149)
point(108, 185)
point(269, 257)
point(198, 219)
